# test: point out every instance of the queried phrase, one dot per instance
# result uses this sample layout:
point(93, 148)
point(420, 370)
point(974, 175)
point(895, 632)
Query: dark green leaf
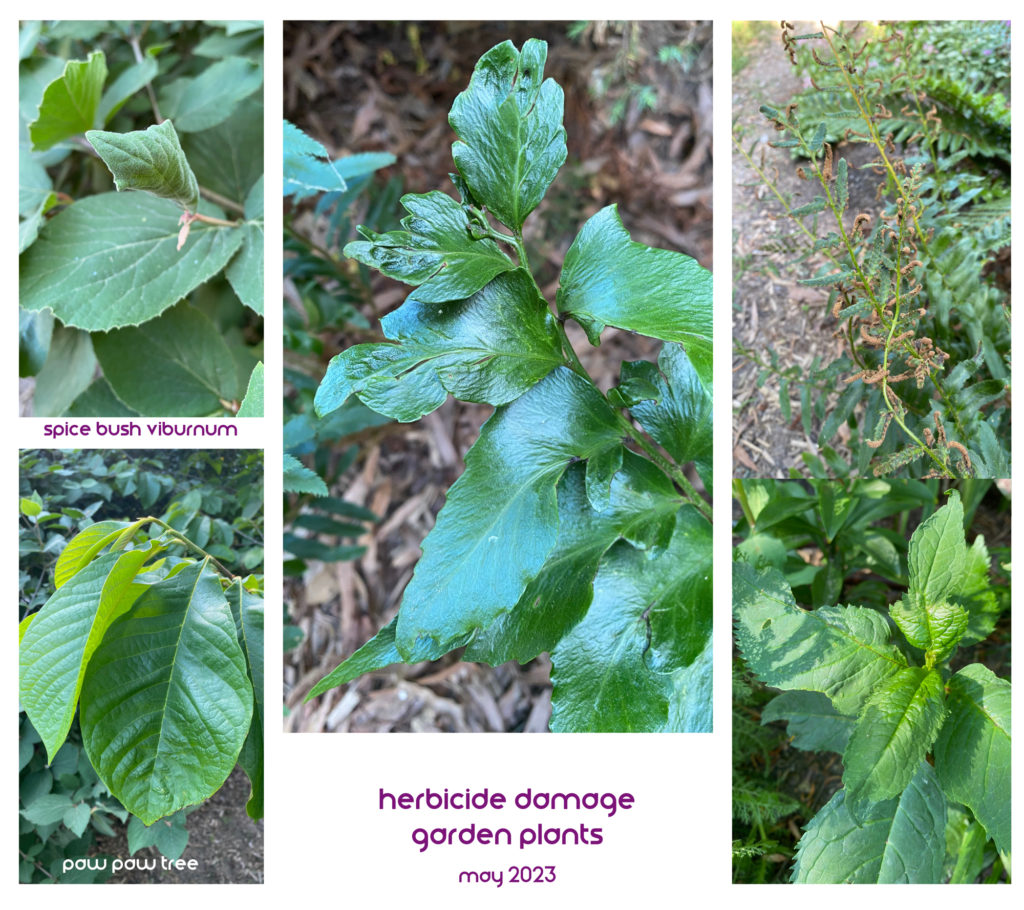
point(377, 653)
point(69, 368)
point(245, 271)
point(210, 98)
point(813, 723)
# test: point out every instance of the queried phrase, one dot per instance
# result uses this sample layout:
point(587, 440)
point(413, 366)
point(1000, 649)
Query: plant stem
point(209, 219)
point(182, 539)
point(222, 201)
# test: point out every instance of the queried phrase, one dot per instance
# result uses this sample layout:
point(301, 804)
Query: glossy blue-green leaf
point(307, 166)
point(150, 160)
point(844, 652)
point(111, 260)
point(649, 618)
point(436, 250)
point(197, 104)
point(377, 653)
point(245, 271)
point(300, 479)
point(70, 102)
point(813, 723)
point(166, 701)
point(509, 123)
point(489, 348)
point(900, 840)
point(500, 520)
point(607, 279)
point(972, 753)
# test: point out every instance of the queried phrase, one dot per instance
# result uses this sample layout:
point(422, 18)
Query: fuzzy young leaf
point(607, 279)
point(69, 103)
point(509, 123)
point(150, 160)
point(435, 251)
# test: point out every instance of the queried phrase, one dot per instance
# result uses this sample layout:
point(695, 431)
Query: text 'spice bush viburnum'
point(575, 528)
point(141, 218)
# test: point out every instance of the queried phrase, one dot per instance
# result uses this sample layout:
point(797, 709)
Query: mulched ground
point(370, 86)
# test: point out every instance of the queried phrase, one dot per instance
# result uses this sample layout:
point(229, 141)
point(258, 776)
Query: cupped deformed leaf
point(70, 102)
point(436, 250)
point(509, 123)
point(489, 348)
point(607, 279)
point(150, 160)
point(166, 701)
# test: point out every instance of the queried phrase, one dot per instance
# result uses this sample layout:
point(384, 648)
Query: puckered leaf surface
point(111, 260)
point(650, 617)
point(972, 753)
point(70, 102)
point(844, 652)
point(150, 160)
point(500, 520)
point(900, 840)
point(490, 348)
point(435, 251)
point(509, 123)
point(166, 702)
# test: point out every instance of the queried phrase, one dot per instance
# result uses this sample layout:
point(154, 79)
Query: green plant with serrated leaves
point(923, 732)
point(141, 218)
point(575, 528)
point(924, 317)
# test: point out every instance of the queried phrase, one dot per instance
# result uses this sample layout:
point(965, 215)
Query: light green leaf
point(210, 98)
point(174, 366)
point(509, 123)
point(150, 160)
point(892, 736)
point(812, 722)
point(111, 260)
point(900, 840)
point(81, 549)
point(57, 647)
point(500, 520)
point(972, 753)
point(300, 479)
point(163, 725)
point(131, 80)
point(70, 102)
point(307, 166)
point(607, 279)
point(252, 403)
point(245, 271)
point(490, 348)
point(435, 251)
point(377, 653)
point(247, 609)
point(69, 368)
point(844, 652)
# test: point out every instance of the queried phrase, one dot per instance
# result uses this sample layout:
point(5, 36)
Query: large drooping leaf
point(892, 736)
point(307, 166)
point(245, 271)
point(436, 250)
point(509, 123)
point(649, 618)
point(111, 260)
point(972, 753)
point(247, 609)
point(642, 503)
point(197, 104)
point(489, 348)
point(70, 102)
point(844, 652)
point(813, 723)
point(150, 160)
point(58, 645)
point(500, 520)
point(166, 702)
point(607, 279)
point(900, 840)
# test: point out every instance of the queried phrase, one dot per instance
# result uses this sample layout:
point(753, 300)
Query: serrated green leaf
point(489, 348)
point(842, 184)
point(70, 102)
point(245, 271)
point(975, 595)
point(435, 251)
point(252, 403)
point(57, 647)
point(972, 753)
point(307, 166)
point(892, 736)
point(822, 281)
point(649, 618)
point(247, 610)
point(500, 520)
point(897, 841)
point(680, 420)
point(174, 366)
point(197, 104)
point(150, 160)
point(813, 723)
point(111, 260)
point(642, 508)
point(607, 279)
point(145, 713)
point(300, 479)
point(377, 653)
point(509, 123)
point(844, 652)
point(818, 204)
point(47, 809)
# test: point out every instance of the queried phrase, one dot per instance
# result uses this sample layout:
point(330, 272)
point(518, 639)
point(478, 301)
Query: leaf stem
point(182, 539)
point(222, 201)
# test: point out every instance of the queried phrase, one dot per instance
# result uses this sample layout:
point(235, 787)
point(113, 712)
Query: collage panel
point(141, 666)
point(140, 219)
point(516, 215)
